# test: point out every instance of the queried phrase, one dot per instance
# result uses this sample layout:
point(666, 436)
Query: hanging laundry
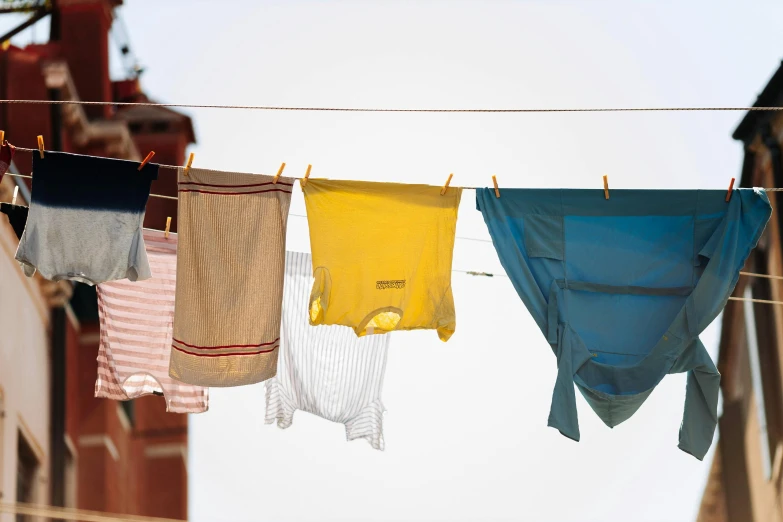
point(326, 371)
point(17, 216)
point(622, 288)
point(85, 219)
point(230, 269)
point(136, 327)
point(6, 157)
point(382, 255)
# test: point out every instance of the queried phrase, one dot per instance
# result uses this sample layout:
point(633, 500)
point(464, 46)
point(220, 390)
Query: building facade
point(59, 445)
point(745, 482)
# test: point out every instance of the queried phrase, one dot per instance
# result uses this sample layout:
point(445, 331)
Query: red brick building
point(58, 444)
point(745, 483)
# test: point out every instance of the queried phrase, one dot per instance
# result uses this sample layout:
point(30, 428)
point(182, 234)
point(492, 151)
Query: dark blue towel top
point(91, 183)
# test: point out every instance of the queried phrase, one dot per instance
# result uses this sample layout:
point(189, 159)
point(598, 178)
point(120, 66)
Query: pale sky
point(465, 429)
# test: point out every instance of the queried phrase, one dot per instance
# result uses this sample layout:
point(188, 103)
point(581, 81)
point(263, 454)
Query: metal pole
point(24, 25)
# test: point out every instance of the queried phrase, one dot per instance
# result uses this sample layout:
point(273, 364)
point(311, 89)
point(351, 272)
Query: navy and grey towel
point(85, 219)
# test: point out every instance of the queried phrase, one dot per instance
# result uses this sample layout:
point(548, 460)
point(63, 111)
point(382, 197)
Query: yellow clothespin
point(40, 146)
point(304, 179)
point(147, 159)
point(2, 137)
point(187, 169)
point(279, 172)
point(728, 192)
point(16, 191)
point(168, 225)
point(495, 182)
point(606, 187)
point(446, 186)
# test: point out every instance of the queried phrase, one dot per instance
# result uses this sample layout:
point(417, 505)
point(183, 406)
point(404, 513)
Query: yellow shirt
point(382, 255)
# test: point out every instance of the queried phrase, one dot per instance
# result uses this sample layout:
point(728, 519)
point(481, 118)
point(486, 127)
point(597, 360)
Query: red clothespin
point(168, 225)
point(147, 159)
point(40, 146)
point(279, 172)
point(606, 187)
point(187, 167)
point(303, 182)
point(446, 186)
point(728, 192)
point(495, 182)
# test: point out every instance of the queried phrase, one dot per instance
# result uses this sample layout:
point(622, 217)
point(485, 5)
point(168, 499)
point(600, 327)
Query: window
point(26, 475)
point(159, 126)
point(762, 343)
point(71, 476)
point(762, 348)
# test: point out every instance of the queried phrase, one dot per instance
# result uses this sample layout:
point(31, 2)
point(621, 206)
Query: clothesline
point(174, 198)
point(470, 272)
point(366, 109)
point(751, 300)
point(489, 274)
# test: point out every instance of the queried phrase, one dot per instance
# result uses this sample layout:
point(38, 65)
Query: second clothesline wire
point(472, 272)
point(25, 149)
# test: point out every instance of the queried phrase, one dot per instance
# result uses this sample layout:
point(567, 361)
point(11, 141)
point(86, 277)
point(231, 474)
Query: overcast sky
point(466, 434)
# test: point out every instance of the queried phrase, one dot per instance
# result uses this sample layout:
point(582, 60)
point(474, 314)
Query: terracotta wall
point(24, 369)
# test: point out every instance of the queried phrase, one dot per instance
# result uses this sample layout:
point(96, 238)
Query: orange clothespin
point(187, 169)
point(606, 187)
point(304, 179)
point(147, 159)
point(40, 146)
point(2, 137)
point(446, 186)
point(168, 225)
point(16, 191)
point(728, 192)
point(495, 182)
point(279, 172)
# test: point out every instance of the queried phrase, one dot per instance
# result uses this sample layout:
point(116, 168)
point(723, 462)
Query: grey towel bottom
point(89, 246)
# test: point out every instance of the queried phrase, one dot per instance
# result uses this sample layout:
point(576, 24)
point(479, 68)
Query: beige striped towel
point(136, 325)
point(230, 269)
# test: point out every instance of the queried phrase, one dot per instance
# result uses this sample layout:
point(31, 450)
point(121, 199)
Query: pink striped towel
point(136, 321)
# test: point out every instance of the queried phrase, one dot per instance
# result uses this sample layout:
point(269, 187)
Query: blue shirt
point(623, 287)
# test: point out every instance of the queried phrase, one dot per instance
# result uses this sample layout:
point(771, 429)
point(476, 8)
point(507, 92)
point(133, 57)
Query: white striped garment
point(325, 370)
point(136, 327)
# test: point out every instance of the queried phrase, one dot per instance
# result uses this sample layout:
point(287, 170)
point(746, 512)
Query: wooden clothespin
point(40, 146)
point(446, 186)
point(304, 179)
point(279, 172)
point(187, 169)
point(16, 191)
point(495, 182)
point(606, 187)
point(168, 225)
point(2, 137)
point(728, 192)
point(146, 160)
